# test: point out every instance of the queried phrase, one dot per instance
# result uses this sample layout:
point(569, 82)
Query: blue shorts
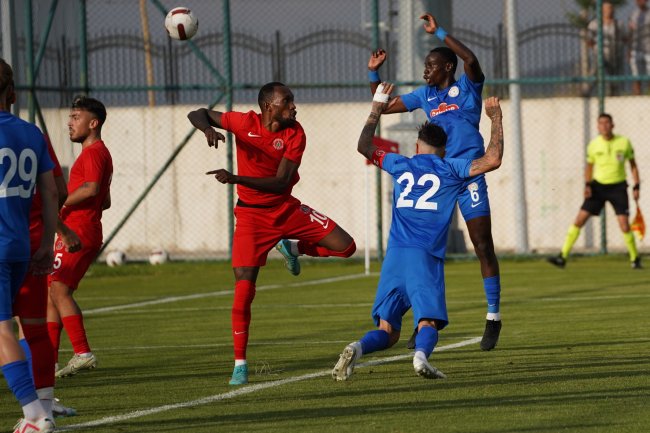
point(11, 278)
point(474, 202)
point(410, 278)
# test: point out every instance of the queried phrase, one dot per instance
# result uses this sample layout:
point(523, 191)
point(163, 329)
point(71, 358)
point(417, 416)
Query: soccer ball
point(158, 257)
point(181, 23)
point(115, 258)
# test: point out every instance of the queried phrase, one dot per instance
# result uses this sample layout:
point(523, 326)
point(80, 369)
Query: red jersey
point(36, 211)
point(94, 164)
point(260, 151)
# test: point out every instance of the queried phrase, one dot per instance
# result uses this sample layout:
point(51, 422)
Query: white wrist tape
point(379, 96)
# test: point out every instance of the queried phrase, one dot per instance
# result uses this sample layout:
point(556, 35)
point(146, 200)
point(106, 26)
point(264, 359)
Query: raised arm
point(204, 120)
point(379, 104)
point(494, 152)
point(377, 58)
point(470, 62)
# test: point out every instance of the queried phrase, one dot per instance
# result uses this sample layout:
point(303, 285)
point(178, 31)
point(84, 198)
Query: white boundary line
point(223, 293)
point(246, 390)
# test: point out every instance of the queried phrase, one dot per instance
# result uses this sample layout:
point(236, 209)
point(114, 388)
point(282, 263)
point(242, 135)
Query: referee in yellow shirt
point(605, 181)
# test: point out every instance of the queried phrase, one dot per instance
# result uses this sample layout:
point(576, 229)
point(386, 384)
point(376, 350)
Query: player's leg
point(245, 280)
point(619, 200)
point(391, 303)
point(318, 235)
point(635, 66)
point(31, 308)
point(425, 288)
point(592, 205)
point(14, 367)
point(64, 280)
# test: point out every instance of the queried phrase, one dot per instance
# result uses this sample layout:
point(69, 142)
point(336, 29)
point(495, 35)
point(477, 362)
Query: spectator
point(639, 42)
point(614, 37)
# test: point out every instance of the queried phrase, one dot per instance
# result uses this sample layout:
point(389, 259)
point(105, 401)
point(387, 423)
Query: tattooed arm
point(494, 152)
point(379, 104)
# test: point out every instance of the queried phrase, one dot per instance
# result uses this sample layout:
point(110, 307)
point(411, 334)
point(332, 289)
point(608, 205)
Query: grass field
point(574, 353)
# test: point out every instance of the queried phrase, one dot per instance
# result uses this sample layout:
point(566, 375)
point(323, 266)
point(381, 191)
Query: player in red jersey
point(269, 150)
point(30, 304)
point(88, 196)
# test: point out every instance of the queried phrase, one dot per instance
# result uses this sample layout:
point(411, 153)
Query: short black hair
point(432, 134)
point(6, 75)
point(448, 55)
point(91, 105)
point(609, 116)
point(266, 92)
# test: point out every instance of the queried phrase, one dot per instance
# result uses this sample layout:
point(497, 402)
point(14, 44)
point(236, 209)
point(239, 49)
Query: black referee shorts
point(615, 193)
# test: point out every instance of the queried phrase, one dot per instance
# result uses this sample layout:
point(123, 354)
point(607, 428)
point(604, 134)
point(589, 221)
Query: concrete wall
point(187, 213)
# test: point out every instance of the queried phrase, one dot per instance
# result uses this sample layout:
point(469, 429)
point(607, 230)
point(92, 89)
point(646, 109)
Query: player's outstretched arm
point(203, 120)
point(377, 58)
point(379, 104)
point(277, 184)
point(494, 152)
point(470, 61)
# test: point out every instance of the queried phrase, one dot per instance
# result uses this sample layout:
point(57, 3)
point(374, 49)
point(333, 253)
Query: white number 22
point(423, 202)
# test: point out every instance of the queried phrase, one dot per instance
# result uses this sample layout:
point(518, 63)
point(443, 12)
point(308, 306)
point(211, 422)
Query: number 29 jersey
point(425, 191)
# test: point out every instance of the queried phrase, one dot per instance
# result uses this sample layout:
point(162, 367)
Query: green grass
point(574, 353)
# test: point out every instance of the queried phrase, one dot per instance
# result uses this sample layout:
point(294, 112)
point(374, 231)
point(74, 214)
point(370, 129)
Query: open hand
point(377, 58)
point(493, 108)
point(431, 24)
point(42, 261)
point(381, 98)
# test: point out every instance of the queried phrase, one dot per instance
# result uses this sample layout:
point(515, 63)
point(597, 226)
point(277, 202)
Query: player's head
point(7, 93)
point(276, 101)
point(431, 139)
point(439, 65)
point(87, 116)
point(605, 125)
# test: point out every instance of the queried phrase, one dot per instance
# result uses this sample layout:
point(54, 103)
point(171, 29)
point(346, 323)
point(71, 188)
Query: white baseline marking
point(246, 390)
point(222, 293)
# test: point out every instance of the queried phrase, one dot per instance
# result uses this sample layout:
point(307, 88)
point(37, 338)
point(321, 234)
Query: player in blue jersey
point(426, 187)
point(24, 164)
point(455, 106)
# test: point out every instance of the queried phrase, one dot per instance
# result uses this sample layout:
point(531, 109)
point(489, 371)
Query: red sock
point(74, 326)
point(54, 329)
point(314, 250)
point(42, 354)
point(241, 316)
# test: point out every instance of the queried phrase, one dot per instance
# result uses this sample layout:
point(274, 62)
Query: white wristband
point(379, 96)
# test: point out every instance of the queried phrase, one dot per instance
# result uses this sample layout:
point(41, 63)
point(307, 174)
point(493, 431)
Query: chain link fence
point(163, 199)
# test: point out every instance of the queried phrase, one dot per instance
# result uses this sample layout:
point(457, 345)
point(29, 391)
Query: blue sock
point(20, 383)
point(426, 340)
point(28, 356)
point(374, 341)
point(492, 286)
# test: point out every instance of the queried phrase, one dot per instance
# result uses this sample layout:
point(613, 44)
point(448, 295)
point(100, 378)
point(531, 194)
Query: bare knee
point(393, 334)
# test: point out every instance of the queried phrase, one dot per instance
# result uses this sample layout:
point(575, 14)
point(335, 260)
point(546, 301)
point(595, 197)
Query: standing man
point(269, 150)
point(426, 187)
point(455, 106)
point(24, 163)
point(88, 196)
point(605, 180)
point(30, 305)
point(639, 43)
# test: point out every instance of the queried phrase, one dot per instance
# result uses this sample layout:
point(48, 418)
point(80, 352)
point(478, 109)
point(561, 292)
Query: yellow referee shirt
point(608, 158)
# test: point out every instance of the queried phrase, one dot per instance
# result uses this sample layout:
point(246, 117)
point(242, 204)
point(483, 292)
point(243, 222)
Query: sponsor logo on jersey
point(278, 144)
point(443, 108)
point(454, 91)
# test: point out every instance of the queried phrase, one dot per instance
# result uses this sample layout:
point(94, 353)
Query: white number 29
point(423, 202)
point(18, 164)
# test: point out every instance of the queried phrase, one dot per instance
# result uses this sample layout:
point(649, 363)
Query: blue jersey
point(457, 110)
point(425, 191)
point(23, 156)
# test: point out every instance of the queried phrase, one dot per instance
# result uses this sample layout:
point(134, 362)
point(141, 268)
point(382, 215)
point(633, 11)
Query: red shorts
point(258, 230)
point(69, 268)
point(31, 300)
